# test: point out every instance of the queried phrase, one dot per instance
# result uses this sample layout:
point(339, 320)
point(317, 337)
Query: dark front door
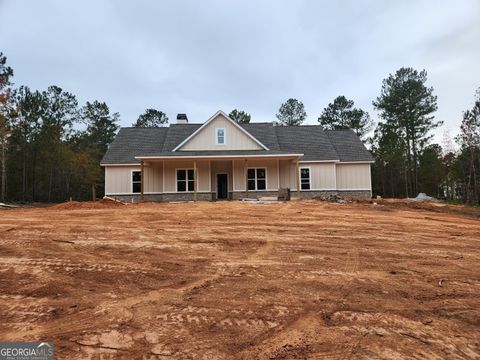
point(222, 186)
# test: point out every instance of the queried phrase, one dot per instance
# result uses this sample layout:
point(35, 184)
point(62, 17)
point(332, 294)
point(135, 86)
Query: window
point(136, 181)
point(305, 178)
point(257, 178)
point(185, 180)
point(220, 136)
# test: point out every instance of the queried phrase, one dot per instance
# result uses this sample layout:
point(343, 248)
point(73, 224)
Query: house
point(221, 159)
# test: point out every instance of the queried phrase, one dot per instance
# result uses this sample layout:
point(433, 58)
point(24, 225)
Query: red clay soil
point(232, 280)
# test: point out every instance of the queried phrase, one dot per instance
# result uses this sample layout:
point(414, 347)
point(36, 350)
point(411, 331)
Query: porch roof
point(228, 154)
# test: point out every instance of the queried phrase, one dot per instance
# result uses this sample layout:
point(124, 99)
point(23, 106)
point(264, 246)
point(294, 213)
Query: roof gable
point(203, 138)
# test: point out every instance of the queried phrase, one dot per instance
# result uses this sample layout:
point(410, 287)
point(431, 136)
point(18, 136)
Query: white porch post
point(245, 174)
point(297, 165)
point(142, 179)
point(194, 180)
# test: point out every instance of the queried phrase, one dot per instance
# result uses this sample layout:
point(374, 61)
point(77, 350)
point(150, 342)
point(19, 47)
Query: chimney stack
point(182, 119)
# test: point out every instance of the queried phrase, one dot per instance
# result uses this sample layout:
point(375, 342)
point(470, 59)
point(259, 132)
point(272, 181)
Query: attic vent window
point(220, 136)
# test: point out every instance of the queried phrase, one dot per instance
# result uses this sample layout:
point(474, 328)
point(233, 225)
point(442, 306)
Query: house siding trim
point(208, 122)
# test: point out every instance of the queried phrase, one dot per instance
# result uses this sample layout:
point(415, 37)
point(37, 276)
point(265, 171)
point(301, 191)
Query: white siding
point(235, 138)
point(353, 177)
point(270, 165)
point(118, 179)
point(202, 174)
point(322, 175)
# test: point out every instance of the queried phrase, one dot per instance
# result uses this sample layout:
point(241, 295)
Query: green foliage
point(431, 171)
point(240, 117)
point(341, 114)
point(407, 104)
point(469, 141)
point(101, 127)
point(151, 118)
point(291, 113)
point(6, 72)
point(49, 157)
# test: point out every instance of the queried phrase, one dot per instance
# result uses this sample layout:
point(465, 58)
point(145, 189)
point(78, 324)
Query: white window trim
point(131, 181)
point(224, 136)
point(266, 178)
point(309, 177)
point(186, 180)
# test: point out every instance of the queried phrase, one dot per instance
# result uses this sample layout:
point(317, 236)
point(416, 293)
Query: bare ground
point(298, 280)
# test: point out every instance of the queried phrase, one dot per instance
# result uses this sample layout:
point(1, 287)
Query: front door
point(222, 186)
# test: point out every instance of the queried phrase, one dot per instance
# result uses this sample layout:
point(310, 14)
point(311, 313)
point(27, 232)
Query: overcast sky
point(198, 57)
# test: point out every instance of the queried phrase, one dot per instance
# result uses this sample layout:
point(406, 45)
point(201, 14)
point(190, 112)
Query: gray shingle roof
point(310, 140)
point(348, 146)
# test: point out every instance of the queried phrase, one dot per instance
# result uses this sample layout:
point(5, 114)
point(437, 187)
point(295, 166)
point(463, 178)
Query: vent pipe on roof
point(182, 119)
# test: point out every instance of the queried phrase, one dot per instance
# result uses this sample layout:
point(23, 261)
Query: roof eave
point(173, 157)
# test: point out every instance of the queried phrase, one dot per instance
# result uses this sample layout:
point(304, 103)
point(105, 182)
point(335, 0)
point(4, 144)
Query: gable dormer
point(220, 133)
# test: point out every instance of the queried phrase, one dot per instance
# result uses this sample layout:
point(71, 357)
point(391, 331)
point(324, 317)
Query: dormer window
point(220, 136)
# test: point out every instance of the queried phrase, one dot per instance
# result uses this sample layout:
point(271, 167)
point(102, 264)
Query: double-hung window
point(220, 136)
point(305, 178)
point(257, 178)
point(136, 181)
point(185, 180)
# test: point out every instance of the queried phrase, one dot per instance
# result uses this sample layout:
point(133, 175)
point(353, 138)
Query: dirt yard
point(230, 280)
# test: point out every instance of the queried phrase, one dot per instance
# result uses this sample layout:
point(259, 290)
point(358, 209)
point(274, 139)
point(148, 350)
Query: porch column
point(297, 165)
point(142, 180)
point(194, 180)
point(245, 174)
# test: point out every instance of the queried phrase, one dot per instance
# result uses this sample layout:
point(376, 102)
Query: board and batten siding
point(322, 175)
point(171, 176)
point(118, 179)
point(240, 173)
point(280, 173)
point(235, 138)
point(353, 177)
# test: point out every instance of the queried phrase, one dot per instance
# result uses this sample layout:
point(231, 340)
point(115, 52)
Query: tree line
point(51, 146)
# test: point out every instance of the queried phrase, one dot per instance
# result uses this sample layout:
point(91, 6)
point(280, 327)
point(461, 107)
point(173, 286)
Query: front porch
point(185, 179)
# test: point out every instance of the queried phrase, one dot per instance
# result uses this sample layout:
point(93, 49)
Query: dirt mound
point(101, 204)
point(435, 206)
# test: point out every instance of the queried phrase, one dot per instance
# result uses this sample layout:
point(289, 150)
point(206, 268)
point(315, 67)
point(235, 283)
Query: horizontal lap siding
point(353, 177)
